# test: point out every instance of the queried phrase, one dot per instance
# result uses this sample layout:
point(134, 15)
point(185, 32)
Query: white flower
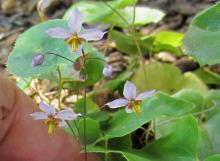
point(131, 101)
point(53, 118)
point(108, 70)
point(75, 34)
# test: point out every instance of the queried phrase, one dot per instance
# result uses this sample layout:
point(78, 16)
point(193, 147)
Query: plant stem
point(134, 15)
point(67, 122)
point(122, 18)
point(61, 57)
point(59, 97)
point(85, 108)
point(60, 87)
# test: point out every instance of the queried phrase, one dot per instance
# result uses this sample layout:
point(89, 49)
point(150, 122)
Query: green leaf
point(168, 41)
point(143, 16)
point(181, 145)
point(159, 76)
point(158, 106)
point(192, 96)
point(213, 98)
point(208, 76)
point(90, 104)
point(165, 124)
point(93, 131)
point(33, 41)
point(94, 67)
point(95, 12)
point(174, 147)
point(126, 43)
point(212, 127)
point(210, 133)
point(98, 12)
point(120, 79)
point(202, 38)
point(204, 145)
point(130, 156)
point(213, 158)
point(191, 81)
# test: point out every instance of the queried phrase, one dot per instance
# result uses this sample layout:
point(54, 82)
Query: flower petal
point(129, 90)
point(75, 21)
point(63, 124)
point(92, 34)
point(66, 115)
point(128, 110)
point(78, 50)
point(108, 70)
point(117, 103)
point(145, 95)
point(39, 115)
point(48, 109)
point(37, 60)
point(59, 32)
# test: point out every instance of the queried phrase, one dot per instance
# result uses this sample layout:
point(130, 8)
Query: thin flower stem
point(136, 42)
point(122, 18)
point(59, 96)
point(60, 87)
point(85, 116)
point(61, 57)
point(73, 61)
point(85, 108)
point(131, 30)
point(71, 129)
point(74, 121)
point(134, 15)
point(141, 56)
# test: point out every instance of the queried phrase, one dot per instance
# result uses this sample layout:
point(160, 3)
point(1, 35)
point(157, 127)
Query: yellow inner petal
point(74, 42)
point(135, 106)
point(52, 123)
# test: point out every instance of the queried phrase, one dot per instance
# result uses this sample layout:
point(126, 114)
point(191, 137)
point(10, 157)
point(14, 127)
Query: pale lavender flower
point(132, 101)
point(108, 70)
point(53, 118)
point(37, 60)
point(75, 34)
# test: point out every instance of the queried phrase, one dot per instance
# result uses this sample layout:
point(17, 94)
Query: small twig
point(4, 35)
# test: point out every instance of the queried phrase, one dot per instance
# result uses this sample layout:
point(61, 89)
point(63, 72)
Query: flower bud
point(108, 70)
point(37, 60)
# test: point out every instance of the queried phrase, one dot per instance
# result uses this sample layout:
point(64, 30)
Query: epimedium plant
point(175, 116)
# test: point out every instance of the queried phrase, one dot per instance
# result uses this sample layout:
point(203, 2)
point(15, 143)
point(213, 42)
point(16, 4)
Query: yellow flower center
point(74, 41)
point(52, 123)
point(135, 105)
